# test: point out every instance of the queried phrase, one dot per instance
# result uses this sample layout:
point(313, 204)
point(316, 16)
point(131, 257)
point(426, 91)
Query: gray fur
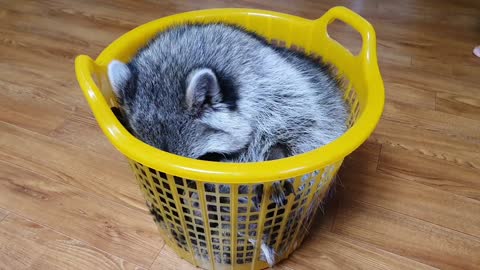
point(217, 92)
point(278, 96)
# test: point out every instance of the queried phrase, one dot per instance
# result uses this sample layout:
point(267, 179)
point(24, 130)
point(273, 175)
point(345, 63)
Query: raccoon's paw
point(280, 192)
point(278, 196)
point(257, 199)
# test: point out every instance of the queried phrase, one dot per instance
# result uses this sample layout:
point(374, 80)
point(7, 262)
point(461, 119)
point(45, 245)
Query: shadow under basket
point(205, 210)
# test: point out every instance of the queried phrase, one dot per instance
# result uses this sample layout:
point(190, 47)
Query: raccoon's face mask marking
point(197, 122)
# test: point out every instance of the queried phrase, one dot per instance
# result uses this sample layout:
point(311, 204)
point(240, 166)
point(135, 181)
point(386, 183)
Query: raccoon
point(220, 93)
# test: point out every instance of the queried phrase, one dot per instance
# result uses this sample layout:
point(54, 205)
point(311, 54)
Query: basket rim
point(232, 173)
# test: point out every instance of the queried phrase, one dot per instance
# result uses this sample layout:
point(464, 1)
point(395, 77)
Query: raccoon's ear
point(202, 89)
point(118, 74)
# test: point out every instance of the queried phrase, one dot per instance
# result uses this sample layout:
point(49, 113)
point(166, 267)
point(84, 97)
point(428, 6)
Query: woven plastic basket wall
point(205, 210)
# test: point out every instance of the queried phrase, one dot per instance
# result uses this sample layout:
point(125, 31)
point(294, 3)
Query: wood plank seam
point(70, 236)
point(380, 170)
point(3, 218)
point(75, 187)
point(415, 218)
point(48, 245)
point(55, 181)
point(66, 235)
point(378, 157)
point(158, 254)
point(434, 154)
point(377, 249)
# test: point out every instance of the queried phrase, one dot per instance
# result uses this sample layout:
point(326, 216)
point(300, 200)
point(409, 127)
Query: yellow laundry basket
point(208, 226)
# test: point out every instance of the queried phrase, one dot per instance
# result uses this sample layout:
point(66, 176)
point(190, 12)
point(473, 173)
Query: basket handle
point(86, 69)
point(368, 52)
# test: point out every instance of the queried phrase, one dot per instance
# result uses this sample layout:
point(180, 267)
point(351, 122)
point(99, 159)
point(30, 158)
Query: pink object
point(476, 51)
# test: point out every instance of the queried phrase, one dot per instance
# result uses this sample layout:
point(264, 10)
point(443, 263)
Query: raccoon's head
point(187, 115)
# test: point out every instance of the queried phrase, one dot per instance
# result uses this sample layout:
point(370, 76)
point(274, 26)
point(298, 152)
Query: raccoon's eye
point(212, 157)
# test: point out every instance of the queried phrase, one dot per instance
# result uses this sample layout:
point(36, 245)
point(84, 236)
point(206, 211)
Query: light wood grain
point(364, 159)
point(408, 198)
point(21, 244)
point(430, 81)
point(434, 64)
point(466, 71)
point(428, 142)
point(111, 227)
point(445, 123)
point(3, 214)
point(167, 259)
point(415, 200)
point(430, 171)
point(66, 163)
point(409, 237)
point(331, 251)
point(27, 245)
point(409, 95)
point(463, 106)
point(81, 129)
point(18, 102)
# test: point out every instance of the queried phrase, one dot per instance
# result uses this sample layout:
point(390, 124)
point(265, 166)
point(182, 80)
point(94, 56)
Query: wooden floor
point(409, 198)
